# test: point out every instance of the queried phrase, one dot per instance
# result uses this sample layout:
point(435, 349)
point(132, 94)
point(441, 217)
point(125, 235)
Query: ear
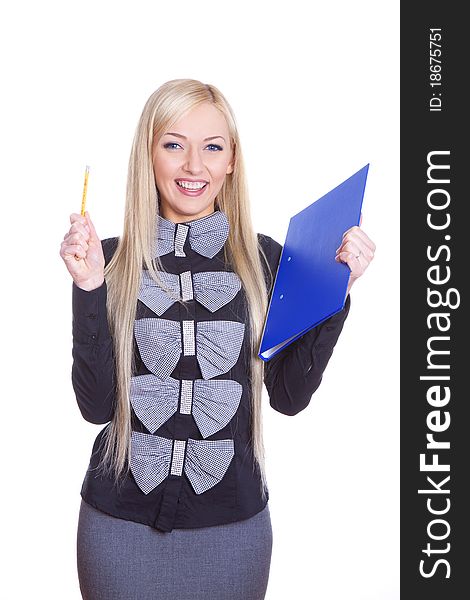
point(231, 164)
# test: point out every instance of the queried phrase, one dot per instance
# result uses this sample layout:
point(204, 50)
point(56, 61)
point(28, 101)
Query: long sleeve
point(93, 367)
point(293, 375)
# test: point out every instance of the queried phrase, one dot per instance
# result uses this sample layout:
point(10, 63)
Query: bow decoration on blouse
point(212, 289)
point(217, 344)
point(207, 235)
point(153, 458)
point(212, 403)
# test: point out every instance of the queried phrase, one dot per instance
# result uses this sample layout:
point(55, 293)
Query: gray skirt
point(124, 560)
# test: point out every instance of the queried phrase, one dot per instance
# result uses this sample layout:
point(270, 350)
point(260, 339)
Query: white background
point(314, 87)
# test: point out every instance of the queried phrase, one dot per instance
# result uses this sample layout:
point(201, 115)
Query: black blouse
point(191, 462)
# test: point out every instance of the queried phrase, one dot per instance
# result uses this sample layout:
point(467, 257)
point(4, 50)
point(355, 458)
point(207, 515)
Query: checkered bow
point(206, 235)
point(212, 403)
point(153, 458)
point(217, 344)
point(212, 289)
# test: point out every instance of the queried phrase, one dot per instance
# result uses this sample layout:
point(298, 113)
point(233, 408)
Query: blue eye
point(170, 144)
point(212, 147)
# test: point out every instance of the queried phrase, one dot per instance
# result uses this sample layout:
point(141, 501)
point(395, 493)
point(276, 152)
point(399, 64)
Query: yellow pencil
point(85, 187)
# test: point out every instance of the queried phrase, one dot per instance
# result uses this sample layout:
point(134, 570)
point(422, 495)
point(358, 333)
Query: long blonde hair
point(135, 251)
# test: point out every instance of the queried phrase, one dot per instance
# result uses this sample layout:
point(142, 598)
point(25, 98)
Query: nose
point(193, 161)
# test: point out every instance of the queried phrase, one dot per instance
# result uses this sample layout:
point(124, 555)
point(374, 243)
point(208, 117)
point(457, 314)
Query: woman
point(167, 320)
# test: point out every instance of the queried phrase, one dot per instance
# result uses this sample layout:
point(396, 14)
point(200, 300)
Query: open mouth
point(191, 186)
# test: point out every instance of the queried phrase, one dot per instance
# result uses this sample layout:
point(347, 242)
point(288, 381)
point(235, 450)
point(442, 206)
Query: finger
point(347, 258)
point(79, 223)
point(360, 220)
point(74, 243)
point(357, 264)
point(358, 247)
point(77, 218)
point(80, 226)
point(78, 237)
point(357, 231)
point(77, 227)
point(360, 237)
point(366, 239)
point(353, 262)
point(350, 246)
point(355, 243)
point(69, 252)
point(93, 233)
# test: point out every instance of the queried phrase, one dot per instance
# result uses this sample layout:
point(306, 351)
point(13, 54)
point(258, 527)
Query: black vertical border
point(423, 131)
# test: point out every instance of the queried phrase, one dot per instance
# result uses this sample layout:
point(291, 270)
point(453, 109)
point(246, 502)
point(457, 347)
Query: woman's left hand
point(356, 250)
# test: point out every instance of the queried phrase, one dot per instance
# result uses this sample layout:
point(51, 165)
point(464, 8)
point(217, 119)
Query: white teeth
point(191, 185)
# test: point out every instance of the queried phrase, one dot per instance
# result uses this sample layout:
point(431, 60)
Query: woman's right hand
point(81, 241)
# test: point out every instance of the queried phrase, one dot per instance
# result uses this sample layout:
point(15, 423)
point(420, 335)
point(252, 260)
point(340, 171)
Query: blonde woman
point(167, 320)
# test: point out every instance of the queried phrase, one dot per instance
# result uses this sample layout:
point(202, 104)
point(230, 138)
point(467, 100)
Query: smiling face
point(190, 163)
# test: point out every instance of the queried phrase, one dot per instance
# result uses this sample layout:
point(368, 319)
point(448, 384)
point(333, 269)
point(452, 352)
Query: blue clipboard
point(310, 286)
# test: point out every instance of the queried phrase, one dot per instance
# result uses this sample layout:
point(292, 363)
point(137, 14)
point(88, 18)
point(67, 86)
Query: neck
point(175, 217)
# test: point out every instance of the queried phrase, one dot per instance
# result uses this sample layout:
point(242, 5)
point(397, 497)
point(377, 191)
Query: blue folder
point(310, 286)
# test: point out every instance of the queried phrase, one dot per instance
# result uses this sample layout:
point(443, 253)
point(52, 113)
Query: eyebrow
point(212, 137)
